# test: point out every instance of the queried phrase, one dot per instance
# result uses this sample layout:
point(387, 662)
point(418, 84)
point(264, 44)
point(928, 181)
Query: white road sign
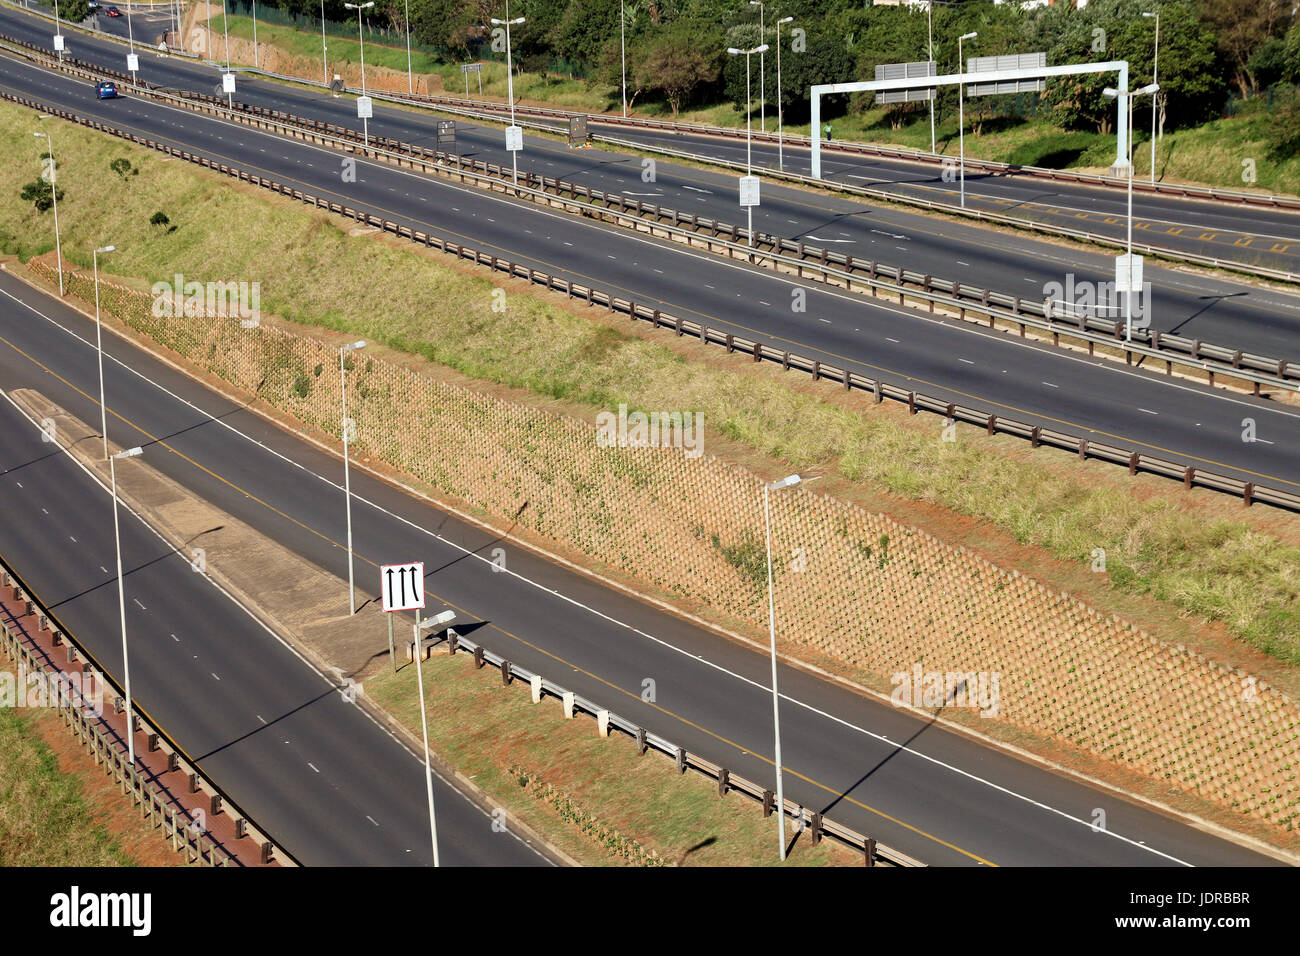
point(365, 107)
point(749, 190)
point(1122, 274)
point(227, 82)
point(132, 63)
point(514, 138)
point(471, 67)
point(58, 41)
point(402, 586)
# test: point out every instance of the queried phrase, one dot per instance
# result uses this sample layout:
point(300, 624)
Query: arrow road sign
point(402, 586)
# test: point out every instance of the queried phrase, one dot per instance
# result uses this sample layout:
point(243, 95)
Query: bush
point(122, 166)
point(159, 219)
point(41, 194)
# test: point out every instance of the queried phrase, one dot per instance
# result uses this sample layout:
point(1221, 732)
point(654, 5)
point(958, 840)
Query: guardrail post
point(911, 402)
point(453, 642)
point(215, 805)
point(568, 699)
point(152, 743)
point(1248, 493)
point(1083, 449)
point(869, 852)
point(268, 853)
point(724, 782)
point(506, 675)
point(478, 657)
point(992, 424)
point(816, 828)
point(877, 392)
point(758, 352)
point(681, 760)
point(602, 722)
point(1133, 463)
point(641, 744)
point(1034, 435)
point(173, 762)
point(1189, 476)
point(535, 686)
point(769, 801)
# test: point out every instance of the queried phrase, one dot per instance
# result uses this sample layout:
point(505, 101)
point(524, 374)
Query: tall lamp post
point(58, 32)
point(749, 124)
point(961, 113)
point(622, 50)
point(436, 621)
point(255, 63)
point(130, 44)
point(1110, 94)
point(780, 144)
point(54, 195)
point(365, 121)
point(929, 25)
point(121, 604)
point(510, 88)
point(410, 77)
point(99, 347)
point(324, 50)
point(762, 65)
point(1155, 78)
point(347, 474)
point(771, 626)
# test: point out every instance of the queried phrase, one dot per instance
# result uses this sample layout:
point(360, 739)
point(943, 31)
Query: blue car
point(106, 90)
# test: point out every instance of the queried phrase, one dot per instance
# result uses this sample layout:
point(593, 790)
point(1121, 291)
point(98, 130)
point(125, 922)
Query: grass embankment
point(45, 817)
point(1211, 154)
point(633, 809)
point(1160, 543)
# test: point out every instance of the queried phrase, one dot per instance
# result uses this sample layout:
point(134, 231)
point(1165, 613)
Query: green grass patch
point(312, 272)
point(44, 819)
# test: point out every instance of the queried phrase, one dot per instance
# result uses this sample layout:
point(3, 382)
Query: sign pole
point(392, 648)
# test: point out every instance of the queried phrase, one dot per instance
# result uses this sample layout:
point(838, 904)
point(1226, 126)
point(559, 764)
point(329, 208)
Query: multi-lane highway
point(320, 776)
point(933, 794)
point(1095, 398)
point(1016, 265)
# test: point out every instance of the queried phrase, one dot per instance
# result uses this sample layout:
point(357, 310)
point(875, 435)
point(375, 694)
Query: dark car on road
point(106, 90)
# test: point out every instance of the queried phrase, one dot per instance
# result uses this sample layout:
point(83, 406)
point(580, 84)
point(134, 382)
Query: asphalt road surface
point(935, 795)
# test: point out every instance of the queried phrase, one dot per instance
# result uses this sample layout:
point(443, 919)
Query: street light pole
point(929, 23)
point(324, 50)
point(1155, 78)
point(622, 49)
point(365, 121)
point(230, 97)
point(443, 618)
point(771, 626)
point(58, 29)
point(961, 112)
point(54, 195)
point(1111, 93)
point(410, 77)
point(255, 63)
point(347, 474)
point(121, 605)
point(510, 85)
point(99, 347)
point(749, 126)
point(762, 65)
point(780, 143)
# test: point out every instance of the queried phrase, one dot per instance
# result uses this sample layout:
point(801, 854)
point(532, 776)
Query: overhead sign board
point(1128, 273)
point(1014, 61)
point(365, 107)
point(902, 71)
point(749, 190)
point(402, 586)
point(514, 138)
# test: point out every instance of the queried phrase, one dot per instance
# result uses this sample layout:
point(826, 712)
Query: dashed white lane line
point(967, 361)
point(888, 339)
point(1147, 410)
point(1051, 385)
point(372, 819)
point(214, 675)
point(313, 766)
point(139, 605)
point(72, 539)
point(827, 321)
point(260, 717)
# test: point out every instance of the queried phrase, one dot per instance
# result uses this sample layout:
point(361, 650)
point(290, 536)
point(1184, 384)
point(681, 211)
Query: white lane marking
point(1148, 411)
point(139, 605)
point(1050, 385)
point(696, 189)
point(312, 765)
point(263, 719)
point(368, 816)
point(809, 235)
point(967, 361)
point(888, 339)
point(827, 321)
point(72, 539)
point(214, 675)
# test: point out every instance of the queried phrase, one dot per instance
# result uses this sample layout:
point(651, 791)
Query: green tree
point(1240, 28)
point(74, 11)
point(41, 194)
point(675, 67)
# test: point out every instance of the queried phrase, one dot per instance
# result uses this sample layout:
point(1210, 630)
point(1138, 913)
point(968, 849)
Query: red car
point(113, 12)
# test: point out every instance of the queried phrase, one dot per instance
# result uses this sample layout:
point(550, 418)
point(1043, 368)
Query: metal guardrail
point(817, 824)
point(805, 260)
point(1191, 476)
point(159, 808)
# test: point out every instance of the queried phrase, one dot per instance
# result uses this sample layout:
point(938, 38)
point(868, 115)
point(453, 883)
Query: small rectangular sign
point(1126, 280)
point(749, 190)
point(402, 586)
point(471, 67)
point(514, 138)
point(365, 107)
point(132, 62)
point(58, 41)
point(227, 82)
